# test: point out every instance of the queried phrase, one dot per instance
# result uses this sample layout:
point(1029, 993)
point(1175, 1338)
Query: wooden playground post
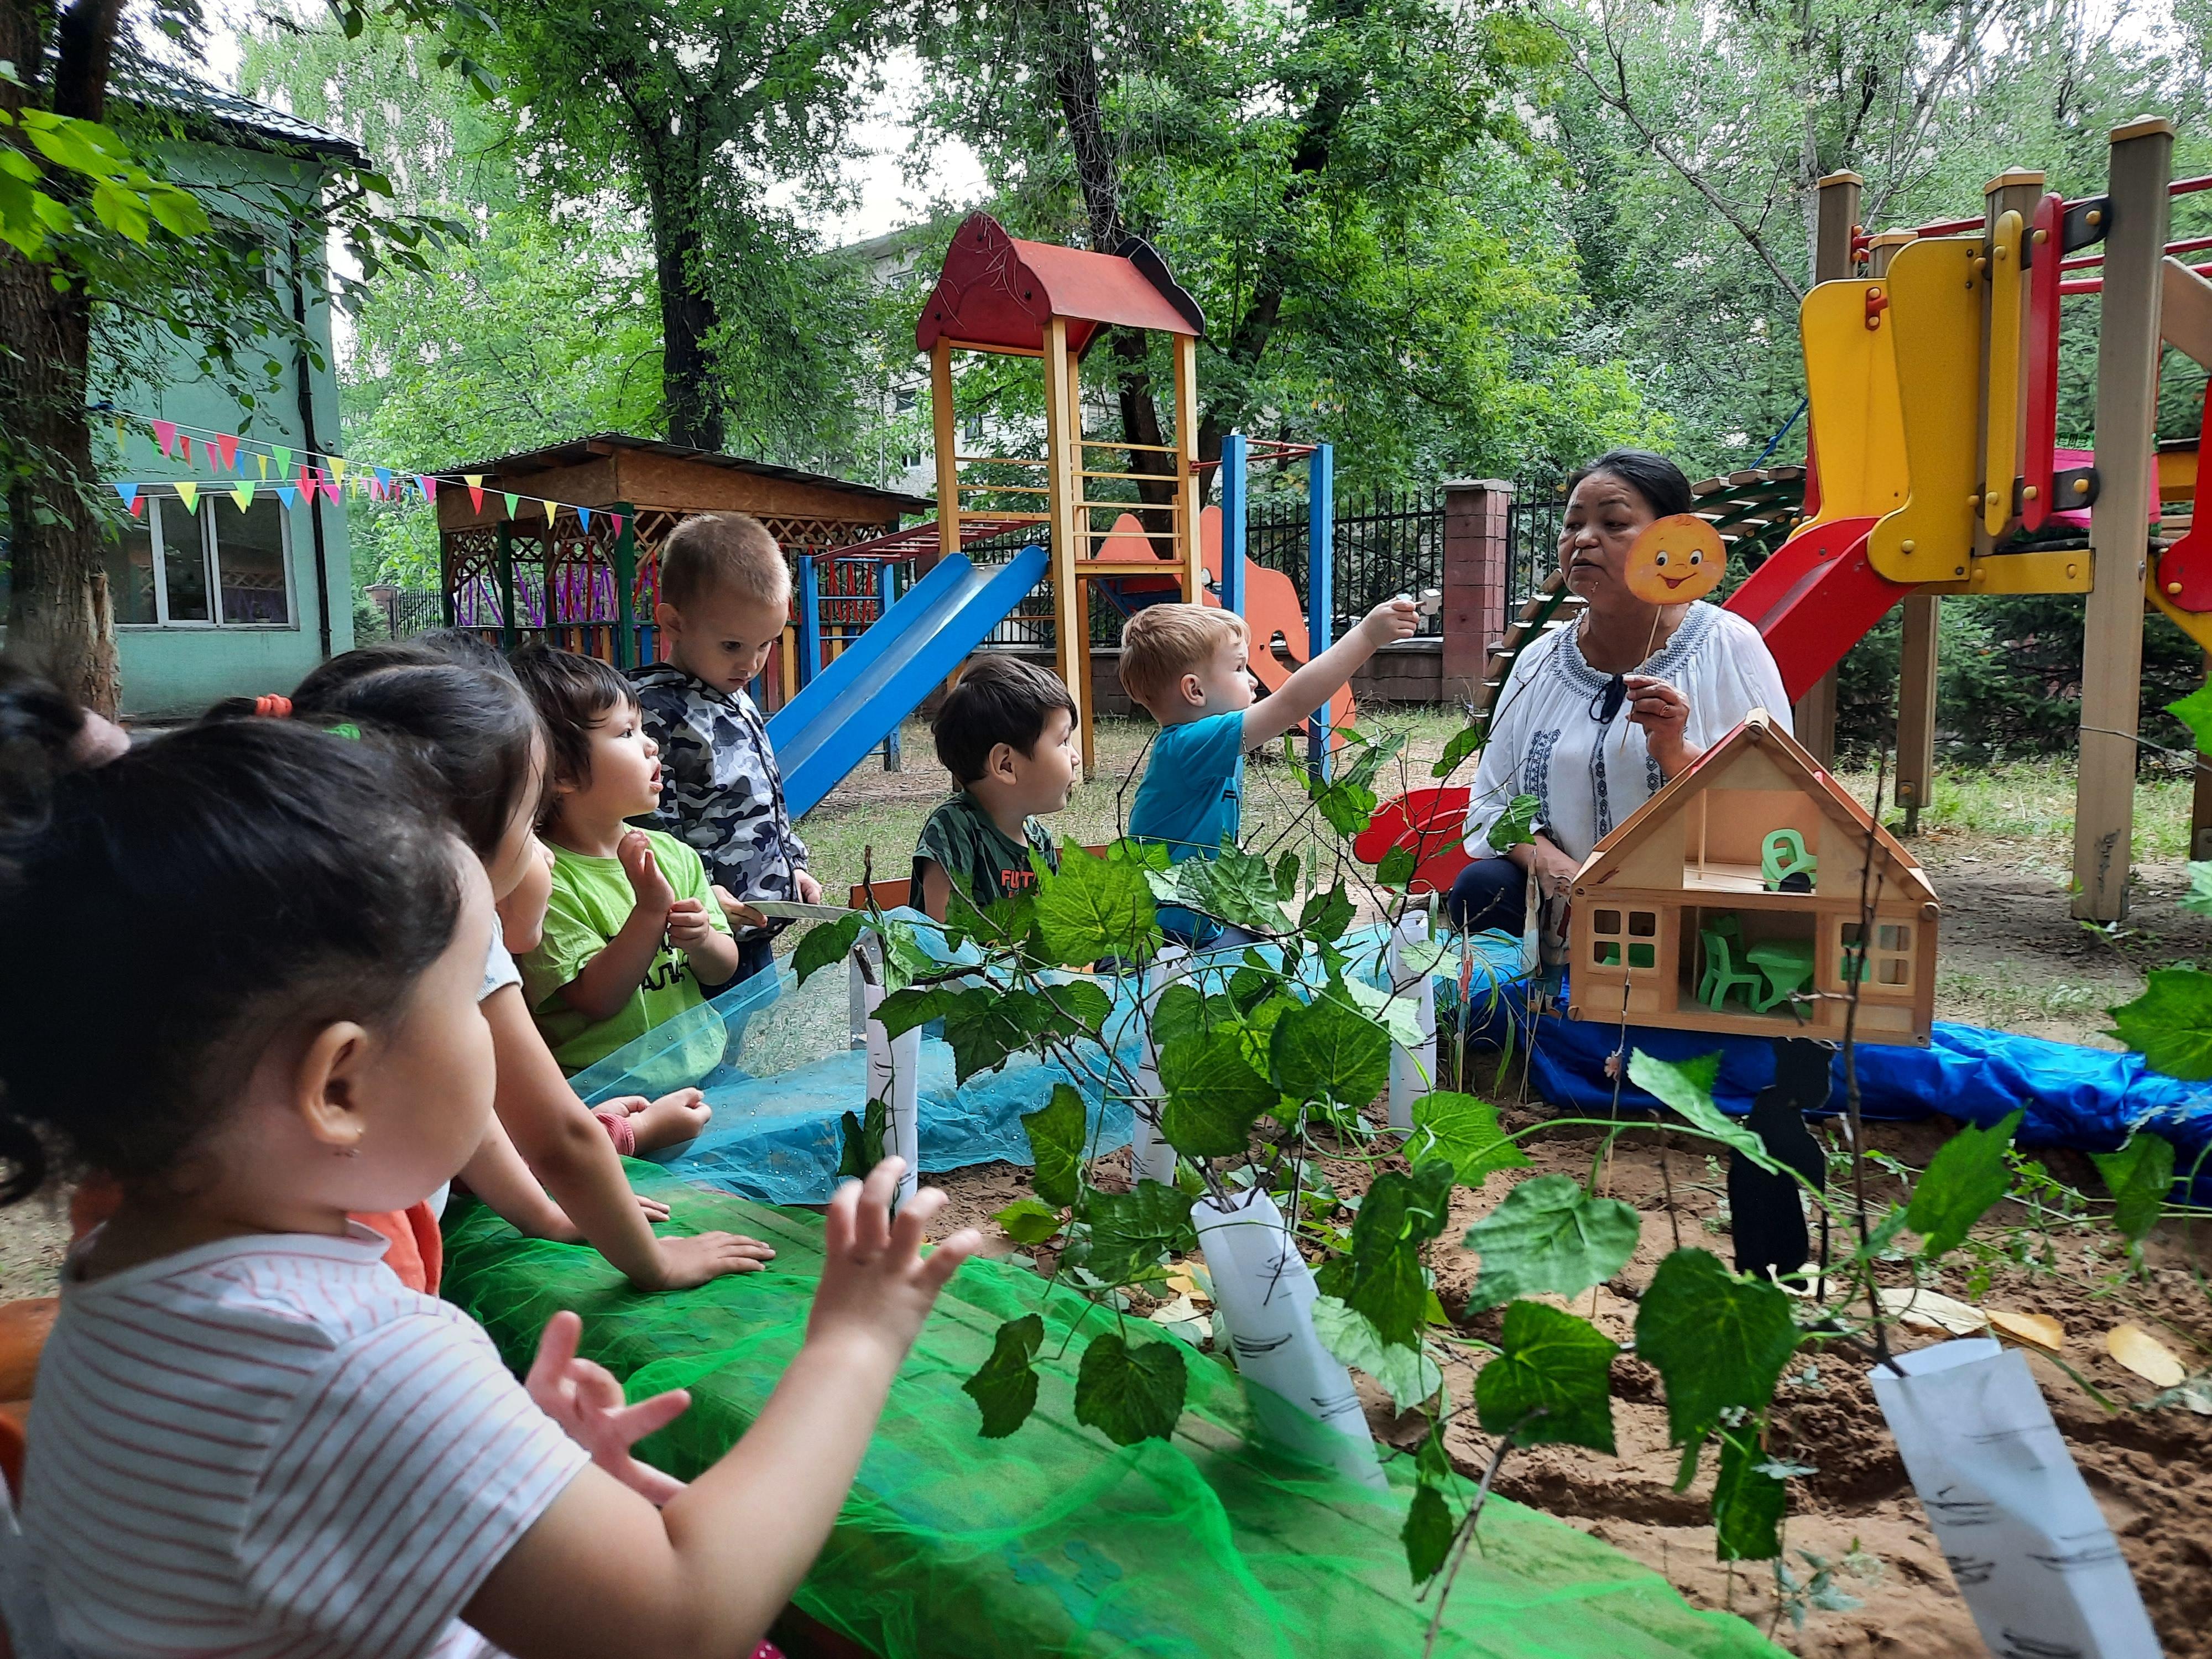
point(948, 458)
point(1064, 448)
point(1187, 551)
point(1836, 215)
point(2128, 345)
point(1918, 661)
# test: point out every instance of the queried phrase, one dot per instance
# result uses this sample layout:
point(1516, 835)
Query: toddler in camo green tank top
point(1007, 732)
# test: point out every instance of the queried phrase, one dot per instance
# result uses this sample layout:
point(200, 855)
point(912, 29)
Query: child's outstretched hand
point(877, 1287)
point(586, 1400)
point(651, 888)
point(688, 926)
point(1393, 619)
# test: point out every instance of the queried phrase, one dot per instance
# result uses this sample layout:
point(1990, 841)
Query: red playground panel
point(1815, 599)
point(1430, 821)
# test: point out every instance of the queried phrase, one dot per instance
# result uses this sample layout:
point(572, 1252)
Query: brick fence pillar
point(1478, 563)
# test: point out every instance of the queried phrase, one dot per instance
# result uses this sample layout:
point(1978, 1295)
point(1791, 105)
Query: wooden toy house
point(1732, 901)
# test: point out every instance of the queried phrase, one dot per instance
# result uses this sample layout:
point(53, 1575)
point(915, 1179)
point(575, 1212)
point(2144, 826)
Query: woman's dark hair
point(571, 692)
point(999, 700)
point(1665, 491)
point(474, 730)
point(38, 727)
point(191, 903)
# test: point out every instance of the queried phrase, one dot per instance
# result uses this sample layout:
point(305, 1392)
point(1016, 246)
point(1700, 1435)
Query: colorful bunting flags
point(584, 518)
point(474, 482)
point(283, 457)
point(287, 494)
point(615, 520)
point(184, 449)
point(243, 494)
point(226, 449)
point(383, 479)
point(165, 433)
point(428, 485)
point(129, 493)
point(337, 468)
point(513, 502)
point(552, 510)
point(263, 459)
point(189, 494)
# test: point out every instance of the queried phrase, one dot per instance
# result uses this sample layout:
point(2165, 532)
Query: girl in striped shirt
point(241, 978)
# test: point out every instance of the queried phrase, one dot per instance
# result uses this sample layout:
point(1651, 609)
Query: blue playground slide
point(851, 706)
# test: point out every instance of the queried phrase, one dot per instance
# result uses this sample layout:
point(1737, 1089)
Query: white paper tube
point(856, 1000)
point(1413, 1070)
point(894, 1066)
point(1265, 1293)
point(1151, 1157)
point(2027, 1546)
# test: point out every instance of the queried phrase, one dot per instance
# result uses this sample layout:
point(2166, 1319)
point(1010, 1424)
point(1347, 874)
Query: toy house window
point(1888, 964)
point(1641, 938)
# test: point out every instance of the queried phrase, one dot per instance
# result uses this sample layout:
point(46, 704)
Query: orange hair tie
point(274, 706)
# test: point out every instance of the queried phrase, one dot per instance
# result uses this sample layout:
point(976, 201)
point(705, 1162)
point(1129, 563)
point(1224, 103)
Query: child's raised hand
point(646, 882)
point(1393, 619)
point(877, 1287)
point(586, 1400)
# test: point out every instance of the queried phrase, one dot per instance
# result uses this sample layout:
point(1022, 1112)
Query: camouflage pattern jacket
point(721, 792)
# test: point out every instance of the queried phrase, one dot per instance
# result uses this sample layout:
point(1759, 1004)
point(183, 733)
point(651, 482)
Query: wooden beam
point(1186, 391)
point(1062, 428)
point(2187, 319)
point(1837, 212)
point(2127, 413)
point(948, 453)
point(1916, 709)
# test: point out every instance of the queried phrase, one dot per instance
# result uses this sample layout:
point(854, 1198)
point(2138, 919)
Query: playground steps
point(1552, 607)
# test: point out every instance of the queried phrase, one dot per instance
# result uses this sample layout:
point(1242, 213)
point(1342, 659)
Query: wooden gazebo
point(999, 295)
point(564, 542)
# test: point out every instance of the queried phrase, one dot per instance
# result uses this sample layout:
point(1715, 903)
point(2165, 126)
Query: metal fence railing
point(404, 612)
point(1532, 540)
point(1391, 543)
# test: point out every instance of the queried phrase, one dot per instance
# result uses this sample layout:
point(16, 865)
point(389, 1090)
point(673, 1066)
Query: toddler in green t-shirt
point(632, 929)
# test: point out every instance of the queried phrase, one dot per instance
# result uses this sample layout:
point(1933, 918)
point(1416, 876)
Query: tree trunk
point(690, 398)
point(58, 617)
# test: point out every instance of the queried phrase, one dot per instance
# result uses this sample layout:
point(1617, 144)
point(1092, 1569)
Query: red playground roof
point(996, 290)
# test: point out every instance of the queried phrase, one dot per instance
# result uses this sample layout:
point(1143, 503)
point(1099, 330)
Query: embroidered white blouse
point(1546, 739)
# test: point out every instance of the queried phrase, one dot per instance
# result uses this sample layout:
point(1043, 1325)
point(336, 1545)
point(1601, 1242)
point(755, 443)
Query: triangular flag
point(287, 494)
point(284, 458)
point(552, 510)
point(165, 433)
point(189, 494)
point(383, 479)
point(615, 521)
point(226, 446)
point(129, 493)
point(333, 489)
point(243, 494)
point(513, 503)
point(338, 467)
point(428, 486)
point(263, 461)
point(474, 482)
point(307, 483)
point(584, 518)
point(184, 449)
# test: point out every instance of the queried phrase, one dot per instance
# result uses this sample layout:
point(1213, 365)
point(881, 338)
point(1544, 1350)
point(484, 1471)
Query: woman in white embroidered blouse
point(1597, 715)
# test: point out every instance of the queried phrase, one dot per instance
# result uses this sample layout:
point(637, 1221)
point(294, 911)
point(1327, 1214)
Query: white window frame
point(211, 569)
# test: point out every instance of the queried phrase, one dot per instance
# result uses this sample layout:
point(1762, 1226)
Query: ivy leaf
point(1687, 1086)
point(1408, 1375)
point(1397, 868)
point(860, 1142)
point(1400, 1016)
point(1286, 876)
point(1747, 1500)
point(1214, 1097)
point(831, 942)
point(904, 960)
point(1055, 1134)
point(1380, 1273)
point(1427, 1534)
point(1465, 742)
point(1550, 1235)
point(2171, 1022)
point(1093, 907)
point(1130, 1394)
point(1516, 826)
point(1183, 1011)
point(1129, 1231)
point(901, 1011)
point(1005, 1385)
point(2139, 1176)
point(2199, 896)
point(1082, 1004)
point(1326, 915)
point(1231, 885)
point(1027, 1222)
point(1717, 1341)
point(1323, 1050)
point(2195, 712)
point(1966, 1175)
point(1349, 807)
point(1464, 1132)
point(1553, 1364)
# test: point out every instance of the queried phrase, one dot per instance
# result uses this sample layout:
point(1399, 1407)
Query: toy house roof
point(1760, 731)
point(998, 290)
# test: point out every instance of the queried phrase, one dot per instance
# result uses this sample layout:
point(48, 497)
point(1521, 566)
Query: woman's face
point(1605, 515)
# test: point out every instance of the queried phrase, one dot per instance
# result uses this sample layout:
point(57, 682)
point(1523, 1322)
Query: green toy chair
point(1771, 866)
point(1722, 975)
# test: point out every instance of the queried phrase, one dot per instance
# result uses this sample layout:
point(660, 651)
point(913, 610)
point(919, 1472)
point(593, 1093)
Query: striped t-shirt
point(269, 1446)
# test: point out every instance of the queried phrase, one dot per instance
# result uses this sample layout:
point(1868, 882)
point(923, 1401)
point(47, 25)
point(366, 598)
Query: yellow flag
point(243, 494)
point(337, 469)
point(551, 508)
point(263, 459)
point(189, 494)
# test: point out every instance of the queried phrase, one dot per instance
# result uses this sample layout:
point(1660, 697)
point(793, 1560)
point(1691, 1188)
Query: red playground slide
point(1815, 599)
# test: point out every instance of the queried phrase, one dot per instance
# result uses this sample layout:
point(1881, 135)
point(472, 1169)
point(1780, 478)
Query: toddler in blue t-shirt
point(1186, 663)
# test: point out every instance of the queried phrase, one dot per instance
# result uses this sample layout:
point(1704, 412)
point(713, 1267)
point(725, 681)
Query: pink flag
point(226, 445)
point(429, 486)
point(165, 433)
point(184, 449)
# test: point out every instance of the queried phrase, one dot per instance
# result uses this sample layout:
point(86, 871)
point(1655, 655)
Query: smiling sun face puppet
point(1676, 560)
